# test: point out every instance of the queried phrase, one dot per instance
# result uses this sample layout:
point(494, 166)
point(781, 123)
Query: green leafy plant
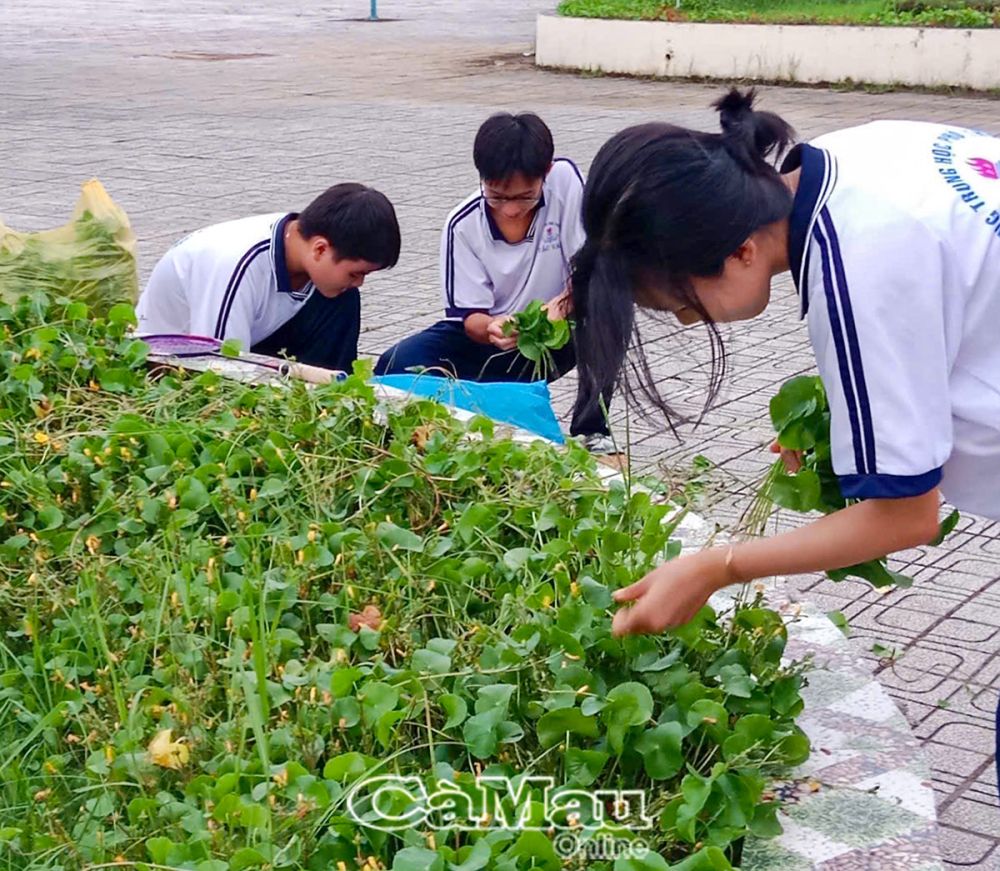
point(90, 259)
point(224, 608)
point(231, 348)
point(538, 336)
point(888, 13)
point(801, 418)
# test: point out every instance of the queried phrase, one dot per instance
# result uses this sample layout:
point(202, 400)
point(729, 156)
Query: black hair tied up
point(751, 137)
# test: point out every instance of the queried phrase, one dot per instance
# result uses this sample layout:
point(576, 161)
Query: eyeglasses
point(497, 202)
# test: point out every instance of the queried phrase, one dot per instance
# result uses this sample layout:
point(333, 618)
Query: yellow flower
point(166, 753)
point(41, 438)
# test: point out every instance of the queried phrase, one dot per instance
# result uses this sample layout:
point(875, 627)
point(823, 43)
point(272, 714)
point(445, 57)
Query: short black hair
point(506, 144)
point(359, 222)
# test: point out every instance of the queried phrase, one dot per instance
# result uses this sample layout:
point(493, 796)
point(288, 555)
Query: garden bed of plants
point(889, 13)
point(225, 608)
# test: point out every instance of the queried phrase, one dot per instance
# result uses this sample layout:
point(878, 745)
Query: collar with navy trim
point(817, 178)
point(495, 231)
point(279, 264)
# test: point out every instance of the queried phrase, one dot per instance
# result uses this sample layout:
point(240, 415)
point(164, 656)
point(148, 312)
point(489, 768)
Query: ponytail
point(663, 205)
point(751, 137)
point(601, 316)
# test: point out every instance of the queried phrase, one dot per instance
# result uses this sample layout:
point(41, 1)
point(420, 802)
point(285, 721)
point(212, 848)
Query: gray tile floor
point(197, 112)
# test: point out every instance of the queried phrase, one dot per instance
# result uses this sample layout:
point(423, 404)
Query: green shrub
point(919, 13)
point(224, 607)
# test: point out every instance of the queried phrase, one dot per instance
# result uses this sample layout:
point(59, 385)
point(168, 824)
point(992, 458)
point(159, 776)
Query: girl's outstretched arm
point(671, 594)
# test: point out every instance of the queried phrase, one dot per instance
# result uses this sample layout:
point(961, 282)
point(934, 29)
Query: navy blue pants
point(445, 346)
point(324, 332)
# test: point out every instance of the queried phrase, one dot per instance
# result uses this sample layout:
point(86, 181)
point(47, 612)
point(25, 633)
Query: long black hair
point(663, 204)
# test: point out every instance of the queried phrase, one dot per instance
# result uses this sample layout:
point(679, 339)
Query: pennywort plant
point(225, 608)
point(538, 336)
point(800, 414)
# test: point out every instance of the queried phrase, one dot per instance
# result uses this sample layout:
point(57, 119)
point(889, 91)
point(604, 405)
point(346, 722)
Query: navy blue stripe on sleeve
point(854, 346)
point(843, 358)
point(888, 486)
point(234, 285)
point(449, 257)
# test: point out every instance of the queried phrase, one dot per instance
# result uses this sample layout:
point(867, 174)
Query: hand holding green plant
point(803, 479)
point(538, 335)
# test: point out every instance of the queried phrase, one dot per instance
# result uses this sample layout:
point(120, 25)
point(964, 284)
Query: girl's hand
point(791, 459)
point(561, 307)
point(671, 594)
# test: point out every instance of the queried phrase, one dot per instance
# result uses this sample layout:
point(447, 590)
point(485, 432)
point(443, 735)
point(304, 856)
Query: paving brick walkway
point(197, 112)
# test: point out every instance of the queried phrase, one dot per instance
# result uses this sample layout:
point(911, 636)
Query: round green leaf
point(661, 750)
point(554, 726)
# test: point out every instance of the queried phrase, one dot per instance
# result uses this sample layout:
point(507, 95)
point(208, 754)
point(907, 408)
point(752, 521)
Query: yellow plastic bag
point(91, 259)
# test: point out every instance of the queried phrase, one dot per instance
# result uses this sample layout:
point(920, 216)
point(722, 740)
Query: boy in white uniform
point(508, 244)
point(281, 284)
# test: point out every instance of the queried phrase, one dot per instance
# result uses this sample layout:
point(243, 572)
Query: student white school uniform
point(891, 231)
point(895, 251)
point(482, 272)
point(278, 282)
point(227, 281)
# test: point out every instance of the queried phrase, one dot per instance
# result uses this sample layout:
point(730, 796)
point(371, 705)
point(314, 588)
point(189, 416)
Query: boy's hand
point(791, 459)
point(495, 334)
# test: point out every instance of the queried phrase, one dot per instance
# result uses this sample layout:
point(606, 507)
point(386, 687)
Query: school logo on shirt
point(550, 237)
point(985, 167)
point(950, 152)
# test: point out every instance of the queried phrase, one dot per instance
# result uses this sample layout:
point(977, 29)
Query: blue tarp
point(527, 406)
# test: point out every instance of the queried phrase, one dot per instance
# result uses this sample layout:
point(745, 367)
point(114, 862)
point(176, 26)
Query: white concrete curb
point(930, 57)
